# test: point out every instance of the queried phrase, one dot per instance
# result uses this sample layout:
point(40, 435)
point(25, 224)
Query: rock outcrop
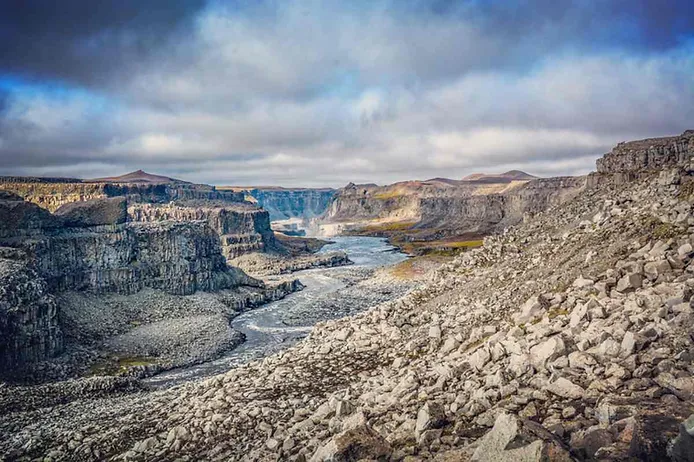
point(28, 315)
point(241, 227)
point(648, 155)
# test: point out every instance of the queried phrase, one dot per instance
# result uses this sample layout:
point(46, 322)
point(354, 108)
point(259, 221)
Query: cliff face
point(51, 193)
point(241, 228)
point(90, 247)
point(439, 208)
point(284, 203)
point(486, 213)
point(180, 258)
point(28, 314)
point(648, 155)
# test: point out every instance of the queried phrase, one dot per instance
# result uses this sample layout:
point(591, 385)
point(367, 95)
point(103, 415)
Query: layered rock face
point(485, 213)
point(440, 208)
point(88, 246)
point(180, 258)
point(51, 193)
point(649, 154)
point(292, 203)
point(241, 227)
point(28, 314)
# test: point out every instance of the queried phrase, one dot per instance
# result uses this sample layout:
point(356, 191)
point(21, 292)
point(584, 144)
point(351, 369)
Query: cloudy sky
point(320, 93)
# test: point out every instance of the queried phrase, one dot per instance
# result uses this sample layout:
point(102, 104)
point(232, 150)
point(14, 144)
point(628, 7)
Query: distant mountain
point(138, 176)
point(511, 175)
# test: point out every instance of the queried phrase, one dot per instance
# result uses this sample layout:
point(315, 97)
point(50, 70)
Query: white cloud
point(316, 93)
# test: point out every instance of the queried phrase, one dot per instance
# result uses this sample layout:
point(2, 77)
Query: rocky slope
point(567, 337)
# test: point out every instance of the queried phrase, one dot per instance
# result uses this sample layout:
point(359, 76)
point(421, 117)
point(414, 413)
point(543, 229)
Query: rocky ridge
point(52, 193)
point(564, 338)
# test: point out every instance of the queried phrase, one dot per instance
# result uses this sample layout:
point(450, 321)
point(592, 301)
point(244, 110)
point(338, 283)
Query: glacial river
point(263, 327)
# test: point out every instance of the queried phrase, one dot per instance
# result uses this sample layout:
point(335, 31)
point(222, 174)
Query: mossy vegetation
point(415, 267)
point(384, 228)
point(553, 313)
point(661, 229)
point(442, 248)
point(385, 195)
point(119, 365)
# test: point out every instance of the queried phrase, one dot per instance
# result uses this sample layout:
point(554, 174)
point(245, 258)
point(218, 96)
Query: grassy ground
point(416, 267)
point(118, 365)
point(385, 195)
point(443, 247)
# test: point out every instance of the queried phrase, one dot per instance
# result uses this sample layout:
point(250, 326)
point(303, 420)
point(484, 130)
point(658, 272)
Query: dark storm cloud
point(87, 42)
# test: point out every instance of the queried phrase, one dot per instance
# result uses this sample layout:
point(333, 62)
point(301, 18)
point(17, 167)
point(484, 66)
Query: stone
point(531, 309)
point(588, 442)
point(582, 283)
point(654, 269)
point(480, 357)
point(547, 351)
point(682, 387)
point(577, 314)
point(272, 444)
point(145, 445)
point(685, 250)
point(352, 445)
point(178, 433)
point(629, 282)
point(581, 360)
point(429, 416)
point(435, 332)
point(512, 440)
point(628, 345)
point(566, 389)
point(682, 449)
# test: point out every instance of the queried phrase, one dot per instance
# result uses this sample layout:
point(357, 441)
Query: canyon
point(557, 327)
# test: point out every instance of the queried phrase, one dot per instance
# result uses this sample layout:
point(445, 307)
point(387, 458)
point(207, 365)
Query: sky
point(322, 93)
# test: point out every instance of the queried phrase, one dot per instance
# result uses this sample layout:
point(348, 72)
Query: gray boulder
point(514, 440)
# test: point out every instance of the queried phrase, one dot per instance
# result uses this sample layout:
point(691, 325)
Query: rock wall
point(368, 202)
point(648, 155)
point(180, 258)
point(293, 203)
point(52, 193)
point(28, 315)
point(454, 208)
point(492, 212)
point(241, 228)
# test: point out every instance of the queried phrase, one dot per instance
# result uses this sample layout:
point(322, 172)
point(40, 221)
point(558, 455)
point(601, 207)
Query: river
point(266, 328)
